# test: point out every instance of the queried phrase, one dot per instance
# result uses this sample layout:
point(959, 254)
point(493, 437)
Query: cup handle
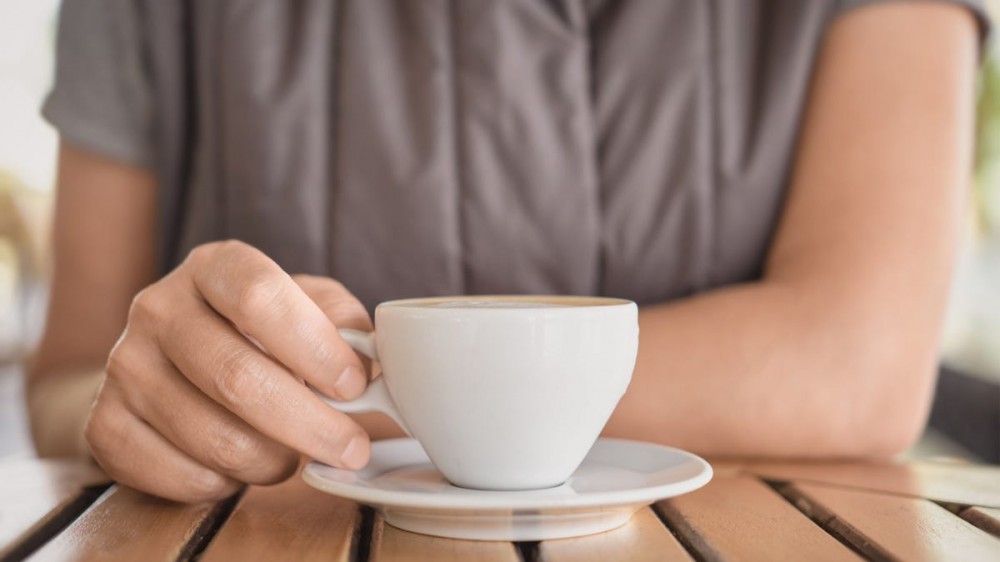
point(376, 397)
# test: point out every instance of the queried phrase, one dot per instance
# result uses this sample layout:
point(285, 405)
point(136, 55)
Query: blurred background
point(965, 421)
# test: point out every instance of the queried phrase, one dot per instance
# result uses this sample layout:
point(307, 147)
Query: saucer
point(617, 478)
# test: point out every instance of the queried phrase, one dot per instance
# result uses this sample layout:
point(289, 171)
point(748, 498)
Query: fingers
point(206, 431)
point(247, 382)
point(203, 389)
point(341, 307)
point(337, 303)
point(152, 464)
point(249, 289)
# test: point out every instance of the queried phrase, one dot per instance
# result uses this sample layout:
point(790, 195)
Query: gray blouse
point(634, 148)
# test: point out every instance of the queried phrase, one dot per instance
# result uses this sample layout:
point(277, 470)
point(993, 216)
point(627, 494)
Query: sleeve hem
point(93, 135)
point(984, 24)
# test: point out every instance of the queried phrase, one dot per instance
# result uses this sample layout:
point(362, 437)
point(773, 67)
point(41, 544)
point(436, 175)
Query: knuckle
point(124, 361)
point(259, 295)
point(234, 375)
point(208, 250)
point(236, 251)
point(272, 463)
point(236, 451)
point(148, 304)
point(102, 430)
point(199, 253)
point(242, 377)
point(119, 363)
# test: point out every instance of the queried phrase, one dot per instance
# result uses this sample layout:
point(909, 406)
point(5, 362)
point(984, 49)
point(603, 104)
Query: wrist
point(58, 407)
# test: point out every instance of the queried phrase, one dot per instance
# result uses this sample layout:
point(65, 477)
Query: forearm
point(773, 369)
point(103, 244)
point(833, 353)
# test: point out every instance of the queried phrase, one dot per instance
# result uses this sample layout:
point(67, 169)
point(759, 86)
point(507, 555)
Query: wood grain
point(125, 524)
point(741, 518)
point(986, 518)
point(889, 527)
point(642, 539)
point(966, 484)
point(390, 544)
point(290, 520)
point(42, 495)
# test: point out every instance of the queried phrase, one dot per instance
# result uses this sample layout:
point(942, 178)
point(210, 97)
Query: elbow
point(889, 436)
point(890, 418)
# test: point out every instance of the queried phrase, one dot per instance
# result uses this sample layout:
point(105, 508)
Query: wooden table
point(750, 511)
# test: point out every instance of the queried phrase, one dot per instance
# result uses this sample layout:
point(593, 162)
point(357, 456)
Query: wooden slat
point(642, 539)
point(390, 544)
point(288, 521)
point(42, 495)
point(741, 518)
point(966, 484)
point(890, 527)
point(125, 524)
point(986, 518)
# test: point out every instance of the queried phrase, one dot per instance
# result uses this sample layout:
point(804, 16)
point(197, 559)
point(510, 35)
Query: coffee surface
point(494, 304)
point(506, 302)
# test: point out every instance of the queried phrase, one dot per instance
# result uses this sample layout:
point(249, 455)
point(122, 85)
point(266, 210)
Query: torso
point(626, 148)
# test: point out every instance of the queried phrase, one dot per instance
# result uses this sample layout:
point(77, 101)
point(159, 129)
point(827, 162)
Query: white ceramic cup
point(503, 392)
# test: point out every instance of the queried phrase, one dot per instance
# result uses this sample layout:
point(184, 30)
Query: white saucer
point(617, 478)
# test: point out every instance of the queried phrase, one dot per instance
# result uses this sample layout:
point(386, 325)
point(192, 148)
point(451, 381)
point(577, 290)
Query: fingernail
point(355, 455)
point(351, 383)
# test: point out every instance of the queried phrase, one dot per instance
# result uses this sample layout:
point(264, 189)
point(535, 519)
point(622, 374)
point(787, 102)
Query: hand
point(204, 388)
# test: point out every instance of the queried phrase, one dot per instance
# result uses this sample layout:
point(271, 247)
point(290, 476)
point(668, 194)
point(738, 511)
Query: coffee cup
point(502, 392)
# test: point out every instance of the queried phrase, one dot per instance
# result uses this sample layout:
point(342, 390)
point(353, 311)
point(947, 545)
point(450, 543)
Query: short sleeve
point(976, 7)
point(101, 99)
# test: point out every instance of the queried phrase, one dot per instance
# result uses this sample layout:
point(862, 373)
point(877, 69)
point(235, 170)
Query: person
point(778, 184)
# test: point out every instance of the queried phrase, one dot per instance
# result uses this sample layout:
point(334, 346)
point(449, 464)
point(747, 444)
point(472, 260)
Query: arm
point(104, 254)
point(184, 405)
point(833, 352)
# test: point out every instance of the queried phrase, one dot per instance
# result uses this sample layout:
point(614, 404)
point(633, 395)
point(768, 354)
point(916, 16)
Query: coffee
point(491, 304)
point(501, 301)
